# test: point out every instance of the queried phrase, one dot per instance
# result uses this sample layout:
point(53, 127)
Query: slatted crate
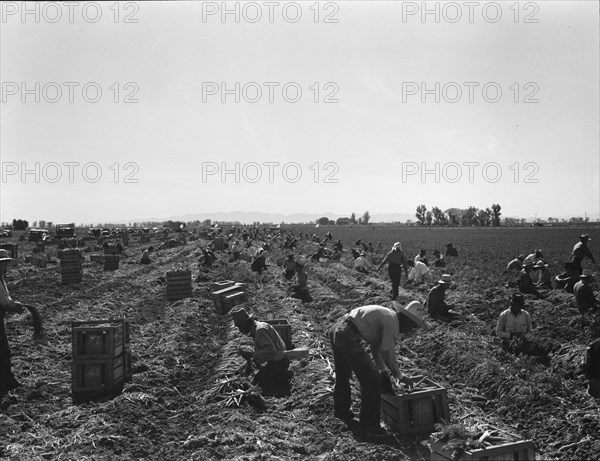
point(219, 298)
point(69, 255)
point(222, 284)
point(97, 377)
point(235, 299)
point(283, 327)
point(111, 262)
point(12, 249)
point(97, 340)
point(179, 284)
point(70, 265)
point(522, 450)
point(417, 412)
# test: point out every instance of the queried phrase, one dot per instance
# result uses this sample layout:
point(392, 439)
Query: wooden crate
point(235, 299)
point(283, 327)
point(12, 249)
point(522, 450)
point(221, 284)
point(416, 412)
point(179, 285)
point(90, 377)
point(219, 297)
point(97, 342)
point(69, 255)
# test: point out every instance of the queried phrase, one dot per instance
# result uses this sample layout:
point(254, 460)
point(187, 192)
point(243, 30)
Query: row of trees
point(471, 216)
point(364, 219)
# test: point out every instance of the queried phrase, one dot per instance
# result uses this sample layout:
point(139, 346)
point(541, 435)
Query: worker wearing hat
point(514, 321)
point(397, 262)
point(380, 327)
point(273, 376)
point(361, 264)
point(436, 305)
point(524, 281)
point(516, 264)
point(544, 278)
point(568, 278)
point(451, 250)
point(7, 304)
point(584, 295)
point(581, 251)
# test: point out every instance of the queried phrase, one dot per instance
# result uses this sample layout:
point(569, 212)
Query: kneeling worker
point(273, 376)
point(514, 322)
point(380, 327)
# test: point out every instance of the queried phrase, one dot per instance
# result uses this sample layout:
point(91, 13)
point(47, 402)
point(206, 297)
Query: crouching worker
point(380, 327)
point(436, 305)
point(289, 266)
point(146, 255)
point(514, 322)
point(7, 304)
point(591, 367)
point(273, 376)
point(300, 288)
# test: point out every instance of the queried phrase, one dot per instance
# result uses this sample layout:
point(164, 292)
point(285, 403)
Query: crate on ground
point(179, 284)
point(416, 412)
point(221, 284)
point(95, 341)
point(96, 377)
point(69, 255)
point(521, 450)
point(12, 249)
point(224, 305)
point(111, 262)
point(283, 327)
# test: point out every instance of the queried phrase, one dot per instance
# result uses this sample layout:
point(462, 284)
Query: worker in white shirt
point(514, 322)
point(361, 264)
point(419, 272)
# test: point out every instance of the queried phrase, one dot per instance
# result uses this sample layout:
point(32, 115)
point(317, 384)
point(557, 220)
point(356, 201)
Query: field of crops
point(185, 362)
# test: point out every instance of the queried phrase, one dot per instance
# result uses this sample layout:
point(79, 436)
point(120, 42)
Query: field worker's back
point(376, 324)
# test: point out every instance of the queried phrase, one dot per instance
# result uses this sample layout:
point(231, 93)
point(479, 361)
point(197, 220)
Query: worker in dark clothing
point(584, 295)
point(591, 367)
point(436, 305)
point(568, 278)
point(525, 283)
point(439, 260)
point(273, 376)
point(397, 262)
point(289, 266)
point(581, 251)
point(338, 245)
point(450, 250)
point(259, 264)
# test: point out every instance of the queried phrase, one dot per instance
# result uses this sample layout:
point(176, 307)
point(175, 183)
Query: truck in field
point(65, 230)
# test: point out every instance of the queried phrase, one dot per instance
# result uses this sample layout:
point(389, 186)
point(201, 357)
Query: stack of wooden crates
point(111, 258)
point(179, 284)
point(101, 352)
point(227, 294)
point(70, 265)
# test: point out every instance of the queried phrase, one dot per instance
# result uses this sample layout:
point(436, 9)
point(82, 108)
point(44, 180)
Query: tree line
point(471, 216)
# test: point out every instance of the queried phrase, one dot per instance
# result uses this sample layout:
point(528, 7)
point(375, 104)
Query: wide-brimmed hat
point(5, 258)
point(540, 263)
point(397, 245)
point(517, 299)
point(240, 316)
point(446, 279)
point(585, 237)
point(415, 312)
point(587, 274)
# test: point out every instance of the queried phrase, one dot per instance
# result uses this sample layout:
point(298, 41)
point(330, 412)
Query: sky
point(130, 110)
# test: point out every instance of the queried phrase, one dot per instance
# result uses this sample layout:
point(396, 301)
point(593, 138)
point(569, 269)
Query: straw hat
point(240, 316)
point(446, 279)
point(540, 264)
point(587, 274)
point(415, 311)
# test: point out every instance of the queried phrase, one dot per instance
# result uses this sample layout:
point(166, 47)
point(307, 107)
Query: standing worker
point(397, 262)
point(380, 327)
point(581, 251)
point(7, 304)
